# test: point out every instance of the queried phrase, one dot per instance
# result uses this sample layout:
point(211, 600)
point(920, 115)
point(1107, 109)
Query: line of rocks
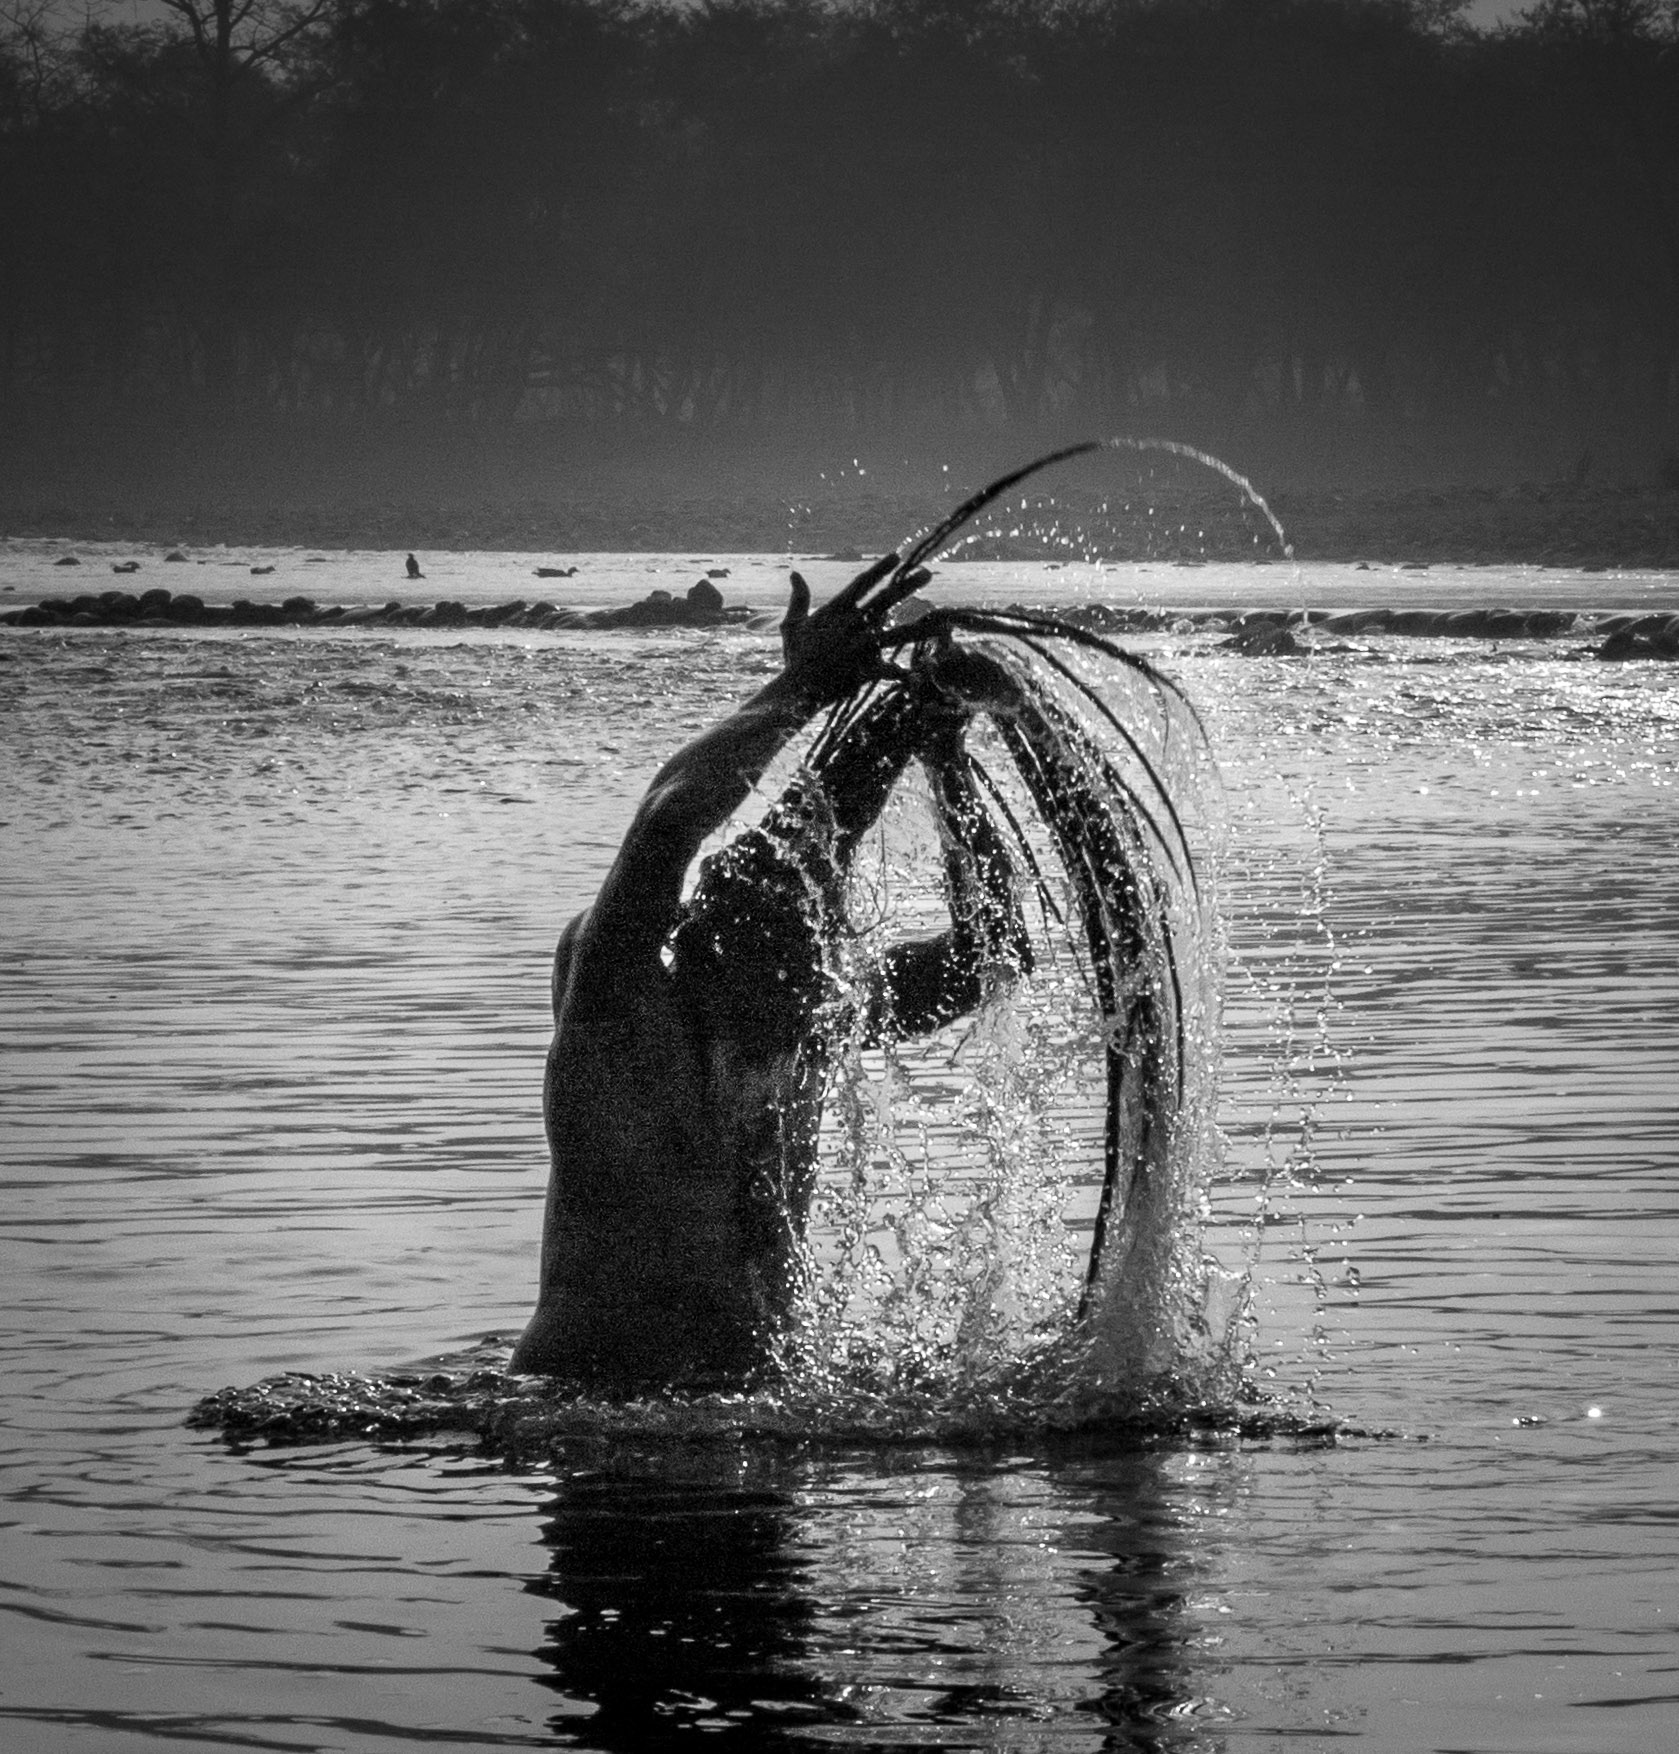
point(1271, 632)
point(702, 606)
point(1260, 632)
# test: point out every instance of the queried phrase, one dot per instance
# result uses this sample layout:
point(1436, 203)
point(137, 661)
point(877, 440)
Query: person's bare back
point(692, 1043)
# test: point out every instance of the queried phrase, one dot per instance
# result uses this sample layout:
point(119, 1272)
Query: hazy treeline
point(757, 215)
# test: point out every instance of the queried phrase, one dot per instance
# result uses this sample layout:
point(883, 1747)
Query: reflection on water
point(679, 1598)
point(914, 1598)
point(273, 986)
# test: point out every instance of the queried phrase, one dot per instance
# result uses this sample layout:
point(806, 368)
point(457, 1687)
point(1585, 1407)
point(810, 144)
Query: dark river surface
point(277, 911)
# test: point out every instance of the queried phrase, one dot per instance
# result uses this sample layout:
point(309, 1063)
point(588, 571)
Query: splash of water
point(945, 535)
point(944, 1292)
point(959, 1209)
point(1176, 448)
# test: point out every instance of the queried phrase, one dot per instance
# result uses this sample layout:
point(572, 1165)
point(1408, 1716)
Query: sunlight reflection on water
point(277, 918)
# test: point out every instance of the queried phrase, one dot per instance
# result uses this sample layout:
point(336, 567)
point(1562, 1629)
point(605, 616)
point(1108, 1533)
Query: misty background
point(1350, 240)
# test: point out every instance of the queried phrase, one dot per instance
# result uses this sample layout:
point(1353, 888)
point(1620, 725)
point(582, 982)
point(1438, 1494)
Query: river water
point(277, 910)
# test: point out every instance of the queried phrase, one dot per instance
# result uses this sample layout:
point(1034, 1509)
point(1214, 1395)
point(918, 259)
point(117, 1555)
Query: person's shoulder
point(607, 941)
point(566, 948)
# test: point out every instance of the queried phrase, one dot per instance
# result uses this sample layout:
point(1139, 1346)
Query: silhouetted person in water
point(692, 1043)
point(414, 568)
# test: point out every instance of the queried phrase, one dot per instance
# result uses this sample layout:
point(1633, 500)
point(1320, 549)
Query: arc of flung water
point(1121, 442)
point(934, 541)
point(1159, 1137)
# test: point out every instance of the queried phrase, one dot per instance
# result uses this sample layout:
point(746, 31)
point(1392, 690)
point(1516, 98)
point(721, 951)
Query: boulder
point(1468, 623)
point(705, 601)
point(1261, 639)
point(1357, 621)
point(1418, 623)
point(1627, 644)
point(249, 614)
point(443, 614)
point(656, 609)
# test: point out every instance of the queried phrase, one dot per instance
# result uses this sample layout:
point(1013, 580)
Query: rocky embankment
point(701, 606)
point(1277, 632)
point(1257, 632)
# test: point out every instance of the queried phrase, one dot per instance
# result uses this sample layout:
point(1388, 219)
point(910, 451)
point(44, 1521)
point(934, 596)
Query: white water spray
point(959, 1202)
point(1176, 448)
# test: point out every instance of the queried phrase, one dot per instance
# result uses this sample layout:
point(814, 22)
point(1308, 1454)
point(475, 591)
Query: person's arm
point(828, 654)
point(842, 793)
point(925, 983)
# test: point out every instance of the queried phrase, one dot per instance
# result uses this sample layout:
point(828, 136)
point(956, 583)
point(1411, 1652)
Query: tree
point(256, 64)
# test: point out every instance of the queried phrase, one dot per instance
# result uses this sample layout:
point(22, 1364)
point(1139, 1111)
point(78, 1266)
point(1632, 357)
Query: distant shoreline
point(533, 491)
point(1541, 526)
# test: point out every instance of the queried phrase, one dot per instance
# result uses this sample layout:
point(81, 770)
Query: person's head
point(749, 944)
